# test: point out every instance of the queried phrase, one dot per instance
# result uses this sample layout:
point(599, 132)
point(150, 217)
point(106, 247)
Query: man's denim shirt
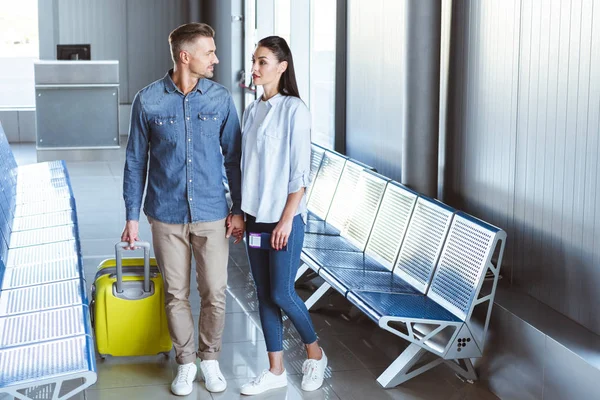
point(186, 140)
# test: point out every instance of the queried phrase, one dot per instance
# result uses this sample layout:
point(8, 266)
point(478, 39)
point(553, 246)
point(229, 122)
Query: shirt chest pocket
point(165, 129)
point(210, 124)
point(273, 139)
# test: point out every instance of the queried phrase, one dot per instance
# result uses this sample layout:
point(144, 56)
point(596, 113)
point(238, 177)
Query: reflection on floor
point(358, 351)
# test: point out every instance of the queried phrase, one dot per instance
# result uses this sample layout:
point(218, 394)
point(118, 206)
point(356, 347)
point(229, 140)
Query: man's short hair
point(186, 34)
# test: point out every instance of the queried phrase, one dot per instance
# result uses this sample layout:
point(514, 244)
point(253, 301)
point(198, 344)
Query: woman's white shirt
point(275, 156)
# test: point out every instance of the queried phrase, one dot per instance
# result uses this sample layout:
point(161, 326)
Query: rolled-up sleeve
point(136, 161)
point(300, 127)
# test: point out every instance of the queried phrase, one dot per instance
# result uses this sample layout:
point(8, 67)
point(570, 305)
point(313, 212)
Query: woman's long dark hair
point(281, 50)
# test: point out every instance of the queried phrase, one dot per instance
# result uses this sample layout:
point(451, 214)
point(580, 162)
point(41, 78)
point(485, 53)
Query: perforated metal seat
point(42, 236)
point(316, 225)
point(29, 184)
point(48, 363)
point(44, 193)
point(378, 305)
point(389, 228)
point(327, 242)
point(42, 170)
point(42, 297)
point(343, 260)
point(368, 193)
point(324, 186)
point(316, 156)
point(42, 272)
point(344, 280)
point(38, 221)
point(25, 329)
point(43, 253)
point(43, 207)
point(423, 243)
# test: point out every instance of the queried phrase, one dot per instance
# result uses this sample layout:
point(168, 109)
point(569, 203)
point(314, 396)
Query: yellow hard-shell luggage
point(128, 306)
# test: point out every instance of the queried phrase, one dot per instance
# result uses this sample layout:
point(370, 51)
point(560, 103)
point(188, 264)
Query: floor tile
point(88, 169)
point(359, 385)
point(120, 372)
point(154, 392)
point(357, 349)
point(291, 392)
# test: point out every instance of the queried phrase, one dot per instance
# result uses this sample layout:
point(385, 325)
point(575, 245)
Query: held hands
point(235, 226)
point(130, 234)
point(281, 233)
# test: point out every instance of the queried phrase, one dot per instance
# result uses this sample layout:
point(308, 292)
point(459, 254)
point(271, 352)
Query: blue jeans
point(274, 273)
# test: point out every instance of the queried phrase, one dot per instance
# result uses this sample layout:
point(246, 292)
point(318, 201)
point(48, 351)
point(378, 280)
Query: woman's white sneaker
point(313, 372)
point(265, 381)
point(183, 384)
point(213, 378)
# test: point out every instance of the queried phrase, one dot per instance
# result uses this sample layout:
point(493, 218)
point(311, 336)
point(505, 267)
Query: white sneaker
point(184, 381)
point(265, 381)
point(213, 378)
point(314, 373)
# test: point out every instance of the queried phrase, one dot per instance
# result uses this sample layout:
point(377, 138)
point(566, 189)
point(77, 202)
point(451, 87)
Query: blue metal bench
point(417, 273)
point(334, 188)
point(45, 332)
point(324, 185)
point(316, 156)
point(442, 321)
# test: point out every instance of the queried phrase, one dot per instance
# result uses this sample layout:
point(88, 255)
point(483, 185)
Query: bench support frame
point(401, 370)
point(89, 378)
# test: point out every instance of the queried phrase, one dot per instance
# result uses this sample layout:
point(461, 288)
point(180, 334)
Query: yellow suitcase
point(128, 306)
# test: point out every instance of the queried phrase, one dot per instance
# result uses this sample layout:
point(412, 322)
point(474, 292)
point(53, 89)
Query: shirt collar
point(273, 101)
point(171, 87)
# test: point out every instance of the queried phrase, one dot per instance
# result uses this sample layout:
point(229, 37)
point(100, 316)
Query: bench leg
point(324, 288)
point(467, 371)
point(400, 370)
point(41, 387)
point(303, 268)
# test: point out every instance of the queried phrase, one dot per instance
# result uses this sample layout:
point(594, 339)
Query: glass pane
point(19, 47)
point(283, 19)
point(322, 71)
point(19, 28)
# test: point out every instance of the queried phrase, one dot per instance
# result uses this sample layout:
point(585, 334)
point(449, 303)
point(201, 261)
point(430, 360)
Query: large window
point(19, 47)
point(310, 29)
point(322, 70)
point(282, 19)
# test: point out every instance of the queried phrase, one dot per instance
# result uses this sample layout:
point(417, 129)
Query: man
point(184, 127)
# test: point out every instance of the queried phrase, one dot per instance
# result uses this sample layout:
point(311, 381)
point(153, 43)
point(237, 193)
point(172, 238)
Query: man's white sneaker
point(184, 381)
point(213, 378)
point(265, 381)
point(314, 373)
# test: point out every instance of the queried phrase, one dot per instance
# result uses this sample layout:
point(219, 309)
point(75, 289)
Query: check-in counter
point(77, 108)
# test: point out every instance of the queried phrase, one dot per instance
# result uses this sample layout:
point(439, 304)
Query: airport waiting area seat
point(46, 340)
point(412, 264)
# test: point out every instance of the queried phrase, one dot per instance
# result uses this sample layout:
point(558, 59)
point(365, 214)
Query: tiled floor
point(358, 351)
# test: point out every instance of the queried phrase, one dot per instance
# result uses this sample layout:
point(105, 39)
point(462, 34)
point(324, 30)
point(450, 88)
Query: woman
point(275, 173)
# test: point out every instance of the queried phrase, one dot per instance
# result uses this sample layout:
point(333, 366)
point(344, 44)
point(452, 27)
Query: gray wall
point(135, 32)
point(523, 141)
point(521, 130)
point(376, 83)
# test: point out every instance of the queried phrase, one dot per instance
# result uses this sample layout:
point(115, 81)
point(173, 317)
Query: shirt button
point(190, 180)
point(190, 199)
point(186, 99)
point(189, 140)
point(188, 118)
point(189, 160)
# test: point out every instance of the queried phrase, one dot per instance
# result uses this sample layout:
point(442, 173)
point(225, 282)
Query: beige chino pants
point(173, 246)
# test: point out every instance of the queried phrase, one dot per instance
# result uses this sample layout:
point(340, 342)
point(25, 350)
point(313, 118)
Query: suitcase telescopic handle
point(119, 253)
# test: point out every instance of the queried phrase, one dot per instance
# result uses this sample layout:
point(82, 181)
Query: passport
point(261, 241)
